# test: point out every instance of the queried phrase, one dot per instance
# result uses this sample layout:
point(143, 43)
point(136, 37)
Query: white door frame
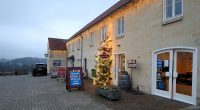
point(158, 92)
point(181, 97)
point(194, 75)
point(115, 76)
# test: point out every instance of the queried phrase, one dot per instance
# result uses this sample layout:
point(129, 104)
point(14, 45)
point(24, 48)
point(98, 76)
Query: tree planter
point(112, 93)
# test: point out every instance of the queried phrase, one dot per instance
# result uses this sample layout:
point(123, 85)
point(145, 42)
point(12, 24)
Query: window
point(78, 44)
point(91, 38)
point(103, 33)
point(172, 9)
point(120, 26)
point(56, 62)
point(78, 63)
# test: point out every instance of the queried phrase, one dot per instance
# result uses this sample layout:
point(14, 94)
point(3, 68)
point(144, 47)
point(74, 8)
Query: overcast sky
point(25, 25)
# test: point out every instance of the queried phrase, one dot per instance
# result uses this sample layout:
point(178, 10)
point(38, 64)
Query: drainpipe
point(81, 50)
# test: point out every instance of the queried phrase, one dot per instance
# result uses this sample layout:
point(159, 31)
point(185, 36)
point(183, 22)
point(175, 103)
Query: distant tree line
point(19, 66)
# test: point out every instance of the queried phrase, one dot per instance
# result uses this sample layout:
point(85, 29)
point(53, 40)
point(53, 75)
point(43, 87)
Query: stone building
point(163, 36)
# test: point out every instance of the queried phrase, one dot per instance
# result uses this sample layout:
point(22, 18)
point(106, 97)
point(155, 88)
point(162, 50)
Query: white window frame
point(103, 33)
point(173, 11)
point(78, 44)
point(78, 62)
point(120, 26)
point(91, 37)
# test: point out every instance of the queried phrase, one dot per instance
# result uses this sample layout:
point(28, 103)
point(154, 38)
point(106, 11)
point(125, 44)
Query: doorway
point(120, 65)
point(175, 73)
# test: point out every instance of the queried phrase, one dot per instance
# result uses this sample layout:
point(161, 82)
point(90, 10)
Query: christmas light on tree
point(104, 62)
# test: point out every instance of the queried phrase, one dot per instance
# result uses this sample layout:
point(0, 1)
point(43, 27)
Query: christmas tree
point(104, 62)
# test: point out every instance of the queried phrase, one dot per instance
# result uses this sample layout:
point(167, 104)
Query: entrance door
point(120, 63)
point(175, 74)
point(163, 73)
point(183, 76)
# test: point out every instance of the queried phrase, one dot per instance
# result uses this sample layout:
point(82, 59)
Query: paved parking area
point(42, 93)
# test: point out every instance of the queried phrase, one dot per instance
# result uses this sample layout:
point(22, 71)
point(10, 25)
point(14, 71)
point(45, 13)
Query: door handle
point(175, 75)
point(167, 74)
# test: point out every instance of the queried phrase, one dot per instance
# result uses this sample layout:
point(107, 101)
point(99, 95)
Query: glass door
point(163, 73)
point(183, 75)
point(120, 65)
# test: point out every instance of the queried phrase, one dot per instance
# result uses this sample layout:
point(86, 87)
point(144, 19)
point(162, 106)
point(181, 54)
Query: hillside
point(19, 64)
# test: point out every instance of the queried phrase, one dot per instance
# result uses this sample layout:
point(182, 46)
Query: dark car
point(39, 69)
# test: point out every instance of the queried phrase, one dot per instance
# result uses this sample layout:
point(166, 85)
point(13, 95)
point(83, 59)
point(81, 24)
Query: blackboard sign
point(75, 79)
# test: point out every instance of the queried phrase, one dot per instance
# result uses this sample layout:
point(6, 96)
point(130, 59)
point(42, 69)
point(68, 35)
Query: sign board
point(54, 72)
point(61, 73)
point(56, 62)
point(131, 63)
point(75, 79)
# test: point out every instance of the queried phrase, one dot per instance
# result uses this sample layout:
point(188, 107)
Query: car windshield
point(40, 66)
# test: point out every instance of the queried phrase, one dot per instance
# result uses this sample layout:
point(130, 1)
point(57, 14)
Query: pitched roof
point(57, 44)
point(112, 9)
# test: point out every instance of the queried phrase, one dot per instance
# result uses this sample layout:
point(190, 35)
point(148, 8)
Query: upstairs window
point(120, 26)
point(103, 33)
point(91, 39)
point(172, 9)
point(78, 44)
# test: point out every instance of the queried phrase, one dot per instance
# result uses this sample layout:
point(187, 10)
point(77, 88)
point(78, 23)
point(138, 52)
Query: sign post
point(74, 78)
point(131, 65)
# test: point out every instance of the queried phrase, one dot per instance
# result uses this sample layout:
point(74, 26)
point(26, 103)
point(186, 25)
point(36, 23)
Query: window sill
point(120, 36)
point(176, 19)
point(91, 45)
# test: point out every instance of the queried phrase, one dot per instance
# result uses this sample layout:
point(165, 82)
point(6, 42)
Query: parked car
point(39, 69)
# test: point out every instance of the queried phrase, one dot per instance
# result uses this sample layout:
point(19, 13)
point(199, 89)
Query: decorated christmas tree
point(103, 65)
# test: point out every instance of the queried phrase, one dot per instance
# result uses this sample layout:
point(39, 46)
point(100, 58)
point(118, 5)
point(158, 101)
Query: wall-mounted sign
point(131, 63)
point(56, 62)
point(46, 55)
